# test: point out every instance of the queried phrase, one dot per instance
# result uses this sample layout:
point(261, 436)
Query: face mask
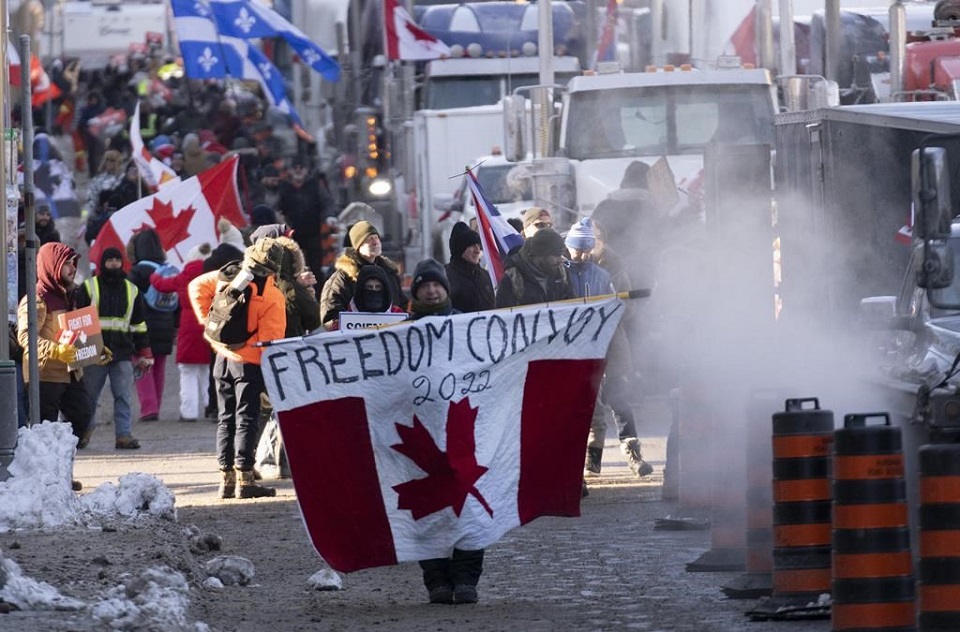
point(374, 300)
point(112, 274)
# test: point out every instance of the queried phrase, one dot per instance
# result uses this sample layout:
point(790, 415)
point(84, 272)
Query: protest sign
point(81, 328)
point(366, 320)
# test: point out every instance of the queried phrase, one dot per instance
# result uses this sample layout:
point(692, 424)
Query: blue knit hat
point(581, 236)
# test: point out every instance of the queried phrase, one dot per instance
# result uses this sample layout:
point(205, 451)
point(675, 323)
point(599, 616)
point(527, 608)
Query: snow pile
point(156, 599)
point(38, 493)
point(137, 493)
point(326, 579)
point(29, 594)
point(231, 570)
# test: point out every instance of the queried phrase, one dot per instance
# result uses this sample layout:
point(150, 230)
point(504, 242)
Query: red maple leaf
point(451, 475)
point(171, 229)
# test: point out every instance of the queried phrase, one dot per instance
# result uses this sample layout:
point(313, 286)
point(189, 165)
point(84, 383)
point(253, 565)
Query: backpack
point(227, 320)
point(157, 300)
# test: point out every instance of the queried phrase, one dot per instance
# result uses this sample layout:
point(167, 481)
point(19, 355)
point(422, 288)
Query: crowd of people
point(303, 278)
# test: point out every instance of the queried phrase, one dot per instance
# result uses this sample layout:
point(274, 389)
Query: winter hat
point(230, 234)
point(461, 238)
point(534, 214)
point(266, 253)
point(581, 235)
point(270, 171)
point(110, 253)
point(262, 215)
point(270, 230)
point(360, 231)
point(429, 270)
point(545, 243)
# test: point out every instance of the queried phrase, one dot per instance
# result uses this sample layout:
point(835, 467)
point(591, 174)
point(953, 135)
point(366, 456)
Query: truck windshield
point(666, 120)
point(946, 300)
point(444, 93)
point(497, 188)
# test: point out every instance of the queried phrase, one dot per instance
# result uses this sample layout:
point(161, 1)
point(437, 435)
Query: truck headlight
point(380, 187)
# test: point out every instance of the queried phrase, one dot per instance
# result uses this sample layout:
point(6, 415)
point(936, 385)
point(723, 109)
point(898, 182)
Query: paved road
point(608, 570)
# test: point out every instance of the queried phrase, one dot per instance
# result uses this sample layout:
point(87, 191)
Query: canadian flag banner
point(184, 214)
point(406, 40)
point(413, 439)
point(152, 170)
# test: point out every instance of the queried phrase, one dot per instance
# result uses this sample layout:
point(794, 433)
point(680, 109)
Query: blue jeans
point(121, 385)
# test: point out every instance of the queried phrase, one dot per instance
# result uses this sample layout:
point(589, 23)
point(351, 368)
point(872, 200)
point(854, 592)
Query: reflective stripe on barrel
point(873, 584)
point(939, 566)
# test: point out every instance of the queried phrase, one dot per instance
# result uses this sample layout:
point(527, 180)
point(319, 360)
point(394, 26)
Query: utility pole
point(8, 371)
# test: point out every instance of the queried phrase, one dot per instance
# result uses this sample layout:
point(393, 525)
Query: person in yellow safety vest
point(120, 308)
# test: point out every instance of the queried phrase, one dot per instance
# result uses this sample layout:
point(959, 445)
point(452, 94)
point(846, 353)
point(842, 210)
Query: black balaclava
point(367, 300)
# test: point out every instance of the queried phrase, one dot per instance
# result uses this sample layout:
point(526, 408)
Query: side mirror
point(931, 194)
point(936, 273)
point(514, 123)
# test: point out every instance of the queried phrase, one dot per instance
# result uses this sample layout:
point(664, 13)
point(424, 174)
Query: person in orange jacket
point(237, 373)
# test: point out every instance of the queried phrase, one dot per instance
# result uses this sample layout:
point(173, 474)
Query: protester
point(471, 289)
point(373, 293)
point(589, 279)
point(237, 372)
point(341, 286)
point(46, 230)
point(120, 308)
point(193, 350)
point(536, 273)
point(108, 178)
point(451, 579)
point(146, 253)
point(535, 219)
point(62, 391)
point(108, 205)
point(305, 204)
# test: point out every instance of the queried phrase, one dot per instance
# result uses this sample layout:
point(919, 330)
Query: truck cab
point(611, 120)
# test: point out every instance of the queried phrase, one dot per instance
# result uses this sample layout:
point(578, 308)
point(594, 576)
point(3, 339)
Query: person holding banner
point(451, 579)
point(373, 293)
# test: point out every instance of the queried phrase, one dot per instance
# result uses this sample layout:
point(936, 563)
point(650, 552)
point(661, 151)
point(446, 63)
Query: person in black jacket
point(120, 308)
point(536, 273)
point(305, 204)
point(146, 252)
point(471, 289)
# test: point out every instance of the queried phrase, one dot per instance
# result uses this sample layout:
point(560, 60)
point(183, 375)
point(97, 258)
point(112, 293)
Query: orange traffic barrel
point(873, 584)
point(802, 499)
point(757, 580)
point(939, 565)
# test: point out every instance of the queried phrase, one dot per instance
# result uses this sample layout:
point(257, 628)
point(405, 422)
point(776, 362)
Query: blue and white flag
point(246, 19)
point(497, 236)
point(208, 54)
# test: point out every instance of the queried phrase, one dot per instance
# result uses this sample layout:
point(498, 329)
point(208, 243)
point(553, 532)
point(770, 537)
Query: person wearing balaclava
point(536, 274)
point(471, 289)
point(120, 308)
point(373, 293)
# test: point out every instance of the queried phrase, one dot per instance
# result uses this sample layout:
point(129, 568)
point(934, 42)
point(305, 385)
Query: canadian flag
point(152, 169)
point(184, 214)
point(406, 40)
point(43, 89)
point(410, 440)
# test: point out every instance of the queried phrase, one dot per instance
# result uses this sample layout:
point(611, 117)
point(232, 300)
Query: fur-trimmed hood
point(293, 261)
point(350, 263)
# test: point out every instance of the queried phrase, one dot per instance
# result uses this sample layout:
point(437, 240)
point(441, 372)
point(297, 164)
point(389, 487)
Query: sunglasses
point(542, 225)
